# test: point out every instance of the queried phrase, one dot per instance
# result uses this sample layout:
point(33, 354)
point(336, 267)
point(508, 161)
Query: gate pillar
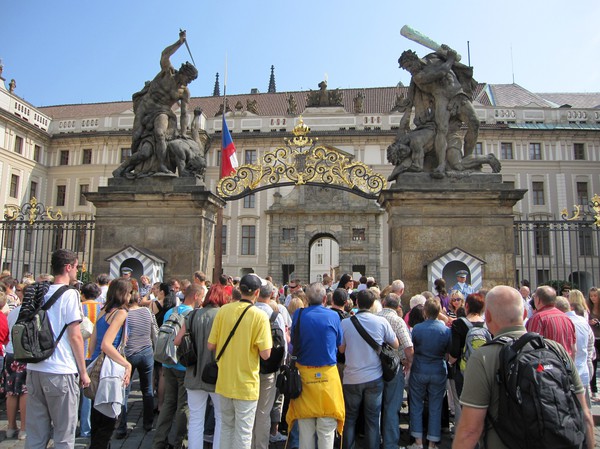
point(172, 217)
point(428, 217)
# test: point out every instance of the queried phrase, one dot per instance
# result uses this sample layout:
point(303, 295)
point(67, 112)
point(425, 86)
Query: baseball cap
point(250, 283)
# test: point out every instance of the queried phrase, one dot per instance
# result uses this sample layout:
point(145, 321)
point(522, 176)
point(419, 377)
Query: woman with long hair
point(442, 293)
point(575, 296)
point(457, 301)
point(593, 304)
point(198, 392)
point(108, 334)
point(141, 333)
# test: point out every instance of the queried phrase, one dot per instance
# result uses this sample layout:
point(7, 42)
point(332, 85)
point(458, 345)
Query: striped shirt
point(400, 329)
point(141, 325)
point(91, 309)
point(553, 324)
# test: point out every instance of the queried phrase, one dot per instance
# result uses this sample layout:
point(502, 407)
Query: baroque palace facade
point(548, 144)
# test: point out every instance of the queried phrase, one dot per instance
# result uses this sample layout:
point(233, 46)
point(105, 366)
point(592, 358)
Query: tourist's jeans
point(370, 393)
point(143, 362)
point(197, 401)
point(85, 426)
point(432, 386)
point(393, 395)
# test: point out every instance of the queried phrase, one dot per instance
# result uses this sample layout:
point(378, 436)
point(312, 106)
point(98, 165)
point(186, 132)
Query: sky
point(68, 52)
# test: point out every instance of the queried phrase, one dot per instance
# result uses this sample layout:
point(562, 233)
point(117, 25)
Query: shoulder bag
point(289, 382)
point(211, 370)
point(390, 359)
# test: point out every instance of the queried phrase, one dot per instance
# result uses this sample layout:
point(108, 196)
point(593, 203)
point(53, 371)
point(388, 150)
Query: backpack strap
point(364, 334)
point(232, 332)
point(57, 294)
point(467, 323)
point(274, 316)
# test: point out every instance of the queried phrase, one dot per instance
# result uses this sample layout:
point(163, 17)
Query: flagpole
point(219, 224)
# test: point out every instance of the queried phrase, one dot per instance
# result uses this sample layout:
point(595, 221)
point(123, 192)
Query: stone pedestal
point(427, 218)
point(172, 217)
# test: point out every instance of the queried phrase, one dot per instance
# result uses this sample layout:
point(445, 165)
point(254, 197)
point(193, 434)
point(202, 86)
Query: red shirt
point(553, 324)
point(3, 333)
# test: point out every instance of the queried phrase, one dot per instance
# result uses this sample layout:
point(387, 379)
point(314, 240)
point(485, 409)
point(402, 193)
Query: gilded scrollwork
point(594, 210)
point(303, 161)
point(32, 211)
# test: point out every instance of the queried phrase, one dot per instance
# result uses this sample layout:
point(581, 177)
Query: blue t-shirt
point(320, 335)
point(101, 328)
point(181, 310)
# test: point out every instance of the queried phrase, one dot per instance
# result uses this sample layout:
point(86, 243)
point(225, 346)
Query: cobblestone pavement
point(138, 438)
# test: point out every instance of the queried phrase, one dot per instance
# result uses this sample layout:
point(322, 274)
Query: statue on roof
point(252, 106)
point(323, 97)
point(358, 102)
point(440, 93)
point(155, 123)
point(292, 105)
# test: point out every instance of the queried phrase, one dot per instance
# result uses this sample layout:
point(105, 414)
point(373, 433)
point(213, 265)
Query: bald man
point(504, 315)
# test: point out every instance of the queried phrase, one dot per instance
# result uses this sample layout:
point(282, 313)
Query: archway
point(324, 257)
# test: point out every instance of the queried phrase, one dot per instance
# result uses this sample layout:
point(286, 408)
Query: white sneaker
point(277, 438)
point(12, 433)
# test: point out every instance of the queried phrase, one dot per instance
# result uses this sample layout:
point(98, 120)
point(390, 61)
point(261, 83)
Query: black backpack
point(187, 353)
point(275, 360)
point(538, 407)
point(32, 336)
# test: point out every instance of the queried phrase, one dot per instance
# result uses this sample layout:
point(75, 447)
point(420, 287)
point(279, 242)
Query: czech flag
point(228, 158)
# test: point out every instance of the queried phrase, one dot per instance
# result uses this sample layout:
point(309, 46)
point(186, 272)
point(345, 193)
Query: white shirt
point(66, 310)
point(362, 362)
point(279, 321)
point(582, 329)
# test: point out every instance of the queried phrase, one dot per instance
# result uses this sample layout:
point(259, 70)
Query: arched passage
point(324, 257)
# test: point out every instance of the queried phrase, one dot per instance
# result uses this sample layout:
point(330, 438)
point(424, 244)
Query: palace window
point(33, 186)
point(125, 153)
point(537, 191)
point(478, 149)
point(358, 234)
point(579, 151)
point(249, 201)
point(250, 157)
point(542, 240)
point(87, 156)
point(83, 189)
point(248, 240)
point(61, 195)
point(64, 157)
point(37, 153)
point(288, 234)
point(506, 150)
point(14, 186)
point(535, 151)
point(18, 144)
point(582, 194)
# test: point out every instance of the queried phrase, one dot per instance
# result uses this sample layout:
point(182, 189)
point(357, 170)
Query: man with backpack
point(511, 395)
point(268, 369)
point(53, 383)
point(174, 409)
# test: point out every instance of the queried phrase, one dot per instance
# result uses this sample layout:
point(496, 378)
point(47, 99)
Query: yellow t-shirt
point(239, 365)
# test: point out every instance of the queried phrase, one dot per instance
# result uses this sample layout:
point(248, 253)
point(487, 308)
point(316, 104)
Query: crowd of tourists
point(228, 377)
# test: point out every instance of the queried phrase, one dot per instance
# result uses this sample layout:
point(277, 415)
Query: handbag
point(94, 368)
point(289, 382)
point(389, 357)
point(211, 370)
